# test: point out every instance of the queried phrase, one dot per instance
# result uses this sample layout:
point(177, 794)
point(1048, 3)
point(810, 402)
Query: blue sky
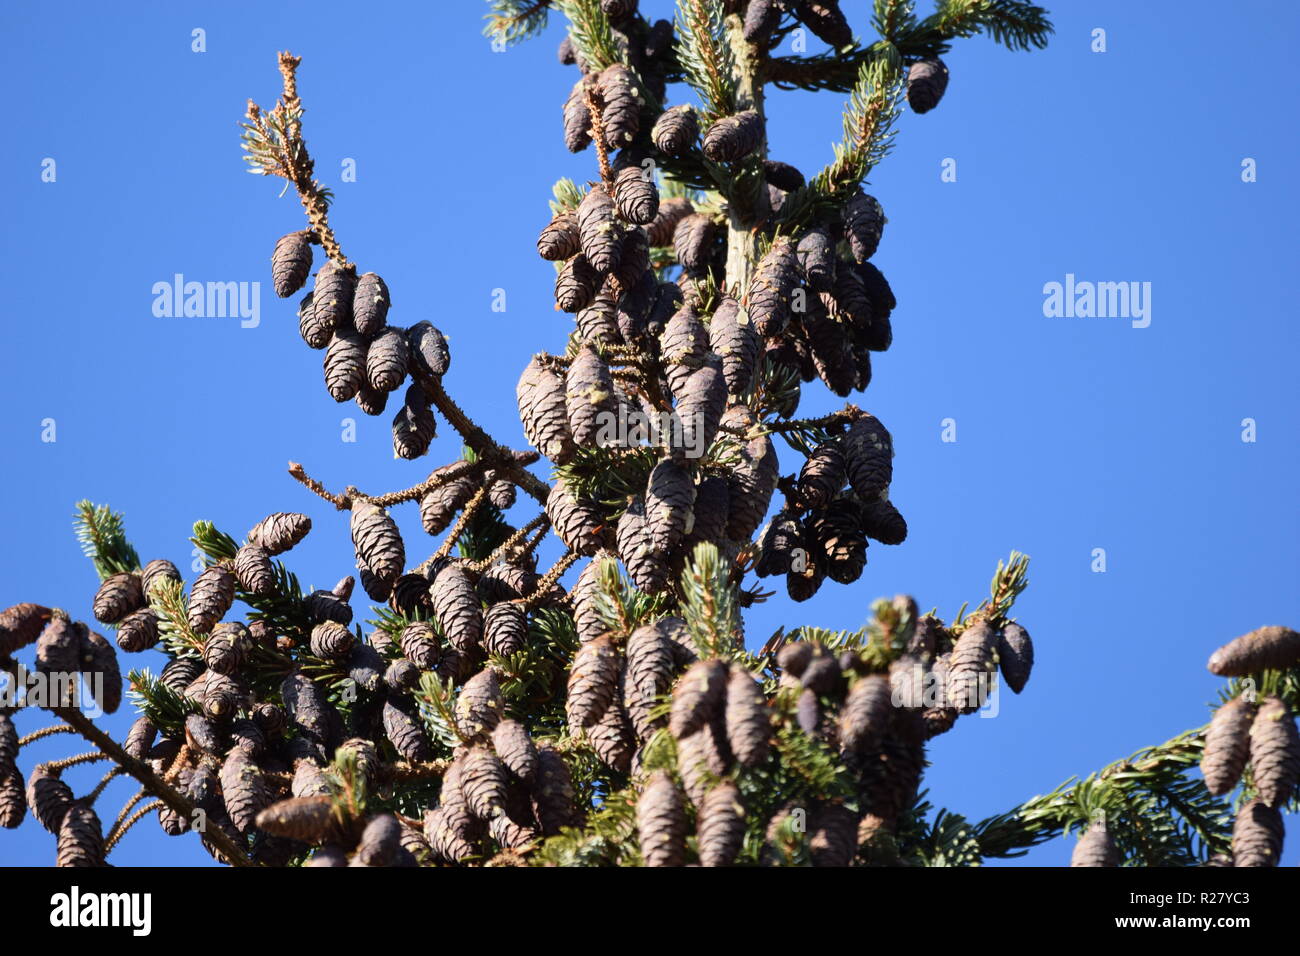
point(1072, 433)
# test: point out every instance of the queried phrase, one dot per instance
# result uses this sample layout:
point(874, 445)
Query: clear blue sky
point(1072, 433)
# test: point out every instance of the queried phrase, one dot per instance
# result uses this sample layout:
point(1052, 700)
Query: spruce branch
point(706, 58)
point(513, 21)
point(593, 41)
point(103, 539)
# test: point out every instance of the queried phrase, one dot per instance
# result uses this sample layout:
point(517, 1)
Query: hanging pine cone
point(700, 407)
point(633, 272)
point(324, 606)
point(414, 427)
point(761, 18)
point(702, 757)
point(661, 822)
point(926, 82)
point(332, 297)
point(377, 541)
point(1266, 648)
point(752, 479)
point(345, 364)
point(222, 695)
point(456, 607)
point(505, 629)
point(1257, 835)
point(970, 667)
point(308, 707)
point(48, 797)
point(515, 747)
point(180, 671)
point(310, 819)
point(480, 705)
point(577, 117)
point(697, 697)
point(732, 337)
point(720, 827)
point(1015, 656)
point(291, 263)
point(430, 354)
point(593, 681)
point(542, 411)
point(245, 790)
point(869, 454)
point(865, 716)
point(682, 347)
point(648, 675)
point(613, 739)
point(387, 359)
point(13, 808)
point(253, 570)
point(645, 564)
point(275, 533)
point(370, 304)
point(864, 221)
point(577, 521)
point(554, 803)
point(671, 212)
point(1274, 752)
point(560, 238)
point(483, 781)
point(331, 641)
point(825, 19)
point(402, 675)
point(621, 105)
point(21, 625)
point(882, 522)
point(669, 500)
point(693, 241)
point(589, 396)
point(783, 176)
point(403, 728)
point(439, 506)
point(81, 838)
point(823, 475)
point(777, 544)
point(226, 648)
point(636, 196)
point(1227, 745)
point(247, 736)
point(118, 596)
point(139, 738)
point(732, 138)
point(712, 505)
point(598, 230)
point(676, 130)
point(768, 298)
point(597, 322)
point(833, 837)
point(138, 631)
point(583, 596)
point(210, 598)
point(815, 254)
point(842, 543)
point(749, 728)
point(501, 493)
point(313, 331)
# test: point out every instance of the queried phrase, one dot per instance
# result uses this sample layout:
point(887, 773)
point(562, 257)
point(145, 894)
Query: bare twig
point(36, 735)
point(462, 522)
point(118, 832)
point(510, 542)
point(547, 581)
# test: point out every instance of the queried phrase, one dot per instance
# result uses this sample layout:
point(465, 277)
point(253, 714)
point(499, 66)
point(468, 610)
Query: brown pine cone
point(647, 675)
point(865, 716)
point(307, 707)
point(13, 807)
point(700, 406)
point(732, 138)
point(823, 475)
point(669, 500)
point(676, 130)
point(370, 302)
point(1257, 835)
point(560, 238)
point(970, 667)
point(583, 594)
point(825, 19)
point(245, 790)
point(505, 629)
point(633, 272)
point(277, 533)
point(776, 547)
point(693, 241)
point(332, 296)
point(621, 105)
point(21, 625)
point(345, 364)
point(749, 728)
point(291, 263)
point(597, 321)
point(671, 212)
point(882, 522)
point(309, 819)
point(484, 782)
point(1274, 752)
point(439, 506)
point(331, 641)
point(869, 455)
point(210, 598)
point(840, 538)
point(645, 564)
point(377, 541)
point(761, 18)
point(768, 298)
point(926, 82)
point(683, 347)
point(815, 253)
point(613, 739)
point(1266, 648)
point(752, 479)
point(180, 671)
point(720, 827)
point(1096, 847)
point(81, 837)
point(833, 836)
point(139, 738)
point(542, 411)
point(578, 522)
point(593, 681)
point(732, 337)
point(590, 399)
point(253, 570)
point(324, 606)
point(313, 331)
point(515, 747)
point(48, 797)
point(118, 596)
point(698, 697)
point(636, 196)
point(225, 649)
point(601, 237)
point(404, 730)
point(554, 803)
point(387, 359)
point(480, 706)
point(712, 505)
point(577, 118)
point(429, 352)
point(661, 822)
point(1015, 656)
point(864, 221)
point(456, 607)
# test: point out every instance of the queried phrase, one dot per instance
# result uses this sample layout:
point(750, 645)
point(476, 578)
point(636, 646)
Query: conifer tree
point(483, 712)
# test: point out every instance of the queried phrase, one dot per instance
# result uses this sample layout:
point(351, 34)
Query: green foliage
point(103, 539)
point(593, 41)
point(709, 602)
point(609, 476)
point(512, 21)
point(705, 55)
point(437, 703)
point(165, 708)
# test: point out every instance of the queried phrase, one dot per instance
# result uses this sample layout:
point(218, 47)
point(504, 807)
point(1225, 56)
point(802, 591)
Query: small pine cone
point(253, 570)
point(761, 18)
point(683, 347)
point(882, 522)
point(279, 532)
point(377, 541)
point(515, 748)
point(589, 396)
point(456, 607)
point(99, 666)
point(291, 263)
point(180, 671)
point(661, 822)
point(926, 81)
point(439, 506)
point(671, 212)
point(139, 738)
point(332, 296)
point(866, 714)
point(720, 827)
point(613, 739)
point(48, 797)
point(577, 521)
point(833, 836)
point(444, 842)
point(309, 780)
point(648, 674)
point(783, 176)
point(118, 596)
point(13, 807)
point(848, 301)
point(751, 480)
point(864, 221)
point(138, 631)
point(325, 606)
point(542, 411)
point(420, 645)
point(429, 352)
point(366, 668)
point(698, 697)
point(841, 540)
point(1015, 656)
point(700, 407)
point(732, 138)
point(1274, 752)
point(693, 241)
point(225, 649)
point(387, 360)
point(825, 19)
point(313, 331)
point(669, 504)
point(601, 237)
point(1257, 835)
point(732, 337)
point(1266, 648)
point(777, 544)
point(309, 819)
point(597, 322)
point(808, 711)
point(1227, 745)
point(816, 256)
point(878, 290)
point(869, 454)
point(222, 695)
point(768, 298)
point(712, 504)
point(554, 802)
point(645, 565)
point(577, 118)
point(749, 728)
point(560, 239)
point(380, 842)
point(480, 706)
point(248, 737)
point(621, 105)
point(505, 629)
point(308, 707)
point(583, 595)
point(345, 364)
point(501, 493)
point(370, 304)
point(676, 130)
point(822, 476)
point(509, 834)
point(245, 790)
point(633, 272)
point(21, 625)
point(1096, 847)
point(210, 598)
point(414, 429)
point(402, 675)
point(81, 838)
point(593, 681)
point(636, 196)
point(794, 658)
point(971, 664)
point(404, 730)
point(332, 641)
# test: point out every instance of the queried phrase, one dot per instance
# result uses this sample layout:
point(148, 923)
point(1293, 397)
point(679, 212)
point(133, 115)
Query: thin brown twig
point(103, 784)
point(93, 756)
point(544, 584)
point(598, 131)
point(510, 542)
point(36, 735)
point(116, 836)
point(462, 522)
point(126, 809)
